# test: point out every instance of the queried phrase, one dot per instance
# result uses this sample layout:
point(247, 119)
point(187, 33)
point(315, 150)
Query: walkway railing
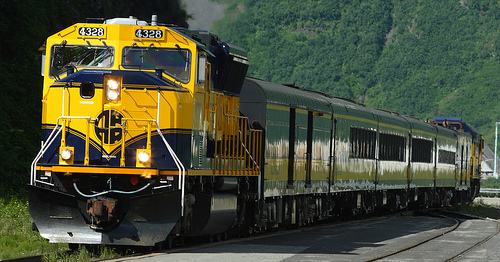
point(238, 147)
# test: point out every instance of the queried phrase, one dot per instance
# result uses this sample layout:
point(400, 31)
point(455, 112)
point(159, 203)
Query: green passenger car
point(334, 155)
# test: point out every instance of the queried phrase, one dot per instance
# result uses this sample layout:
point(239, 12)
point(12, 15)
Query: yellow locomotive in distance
point(131, 109)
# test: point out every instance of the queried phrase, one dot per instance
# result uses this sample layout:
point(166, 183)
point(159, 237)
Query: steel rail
point(453, 228)
point(488, 238)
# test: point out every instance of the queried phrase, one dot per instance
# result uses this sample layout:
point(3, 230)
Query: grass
point(479, 208)
point(83, 254)
point(17, 239)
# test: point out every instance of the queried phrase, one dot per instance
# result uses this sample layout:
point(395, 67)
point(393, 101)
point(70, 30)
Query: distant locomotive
point(151, 132)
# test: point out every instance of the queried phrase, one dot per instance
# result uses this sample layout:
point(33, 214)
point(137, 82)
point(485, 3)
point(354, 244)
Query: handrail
point(178, 163)
point(40, 154)
point(53, 137)
point(143, 90)
point(237, 140)
point(248, 152)
point(59, 128)
point(124, 124)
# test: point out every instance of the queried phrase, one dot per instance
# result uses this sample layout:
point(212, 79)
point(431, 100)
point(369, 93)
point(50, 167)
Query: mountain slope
point(422, 58)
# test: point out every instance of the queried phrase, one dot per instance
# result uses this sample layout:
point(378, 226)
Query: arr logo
point(108, 127)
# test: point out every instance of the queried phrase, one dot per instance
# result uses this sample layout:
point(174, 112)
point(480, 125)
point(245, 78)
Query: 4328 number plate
point(149, 33)
point(91, 31)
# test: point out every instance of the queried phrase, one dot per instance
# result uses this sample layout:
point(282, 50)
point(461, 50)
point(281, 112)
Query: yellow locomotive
point(130, 109)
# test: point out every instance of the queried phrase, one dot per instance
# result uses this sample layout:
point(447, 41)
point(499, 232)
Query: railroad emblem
point(108, 127)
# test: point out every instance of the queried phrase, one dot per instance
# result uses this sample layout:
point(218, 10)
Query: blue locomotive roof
point(450, 119)
point(457, 123)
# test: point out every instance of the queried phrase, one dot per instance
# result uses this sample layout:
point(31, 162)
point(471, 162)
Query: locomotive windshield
point(175, 62)
point(79, 56)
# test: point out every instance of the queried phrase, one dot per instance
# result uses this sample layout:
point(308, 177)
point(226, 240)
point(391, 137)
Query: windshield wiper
point(56, 55)
point(107, 47)
point(173, 83)
point(62, 45)
point(128, 50)
point(181, 53)
point(147, 49)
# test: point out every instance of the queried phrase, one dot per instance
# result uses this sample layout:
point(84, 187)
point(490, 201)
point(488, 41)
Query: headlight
point(66, 154)
point(112, 95)
point(113, 84)
point(113, 88)
point(143, 157)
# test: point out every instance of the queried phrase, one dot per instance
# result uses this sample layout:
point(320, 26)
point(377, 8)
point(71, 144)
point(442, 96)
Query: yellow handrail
point(144, 90)
point(239, 149)
point(63, 135)
point(124, 124)
point(65, 121)
point(86, 161)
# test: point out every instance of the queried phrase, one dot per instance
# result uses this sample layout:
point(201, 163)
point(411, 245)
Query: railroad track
point(488, 238)
point(210, 243)
point(452, 216)
point(457, 219)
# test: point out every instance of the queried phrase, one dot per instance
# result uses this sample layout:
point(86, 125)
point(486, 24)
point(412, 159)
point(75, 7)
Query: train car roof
point(257, 93)
point(260, 91)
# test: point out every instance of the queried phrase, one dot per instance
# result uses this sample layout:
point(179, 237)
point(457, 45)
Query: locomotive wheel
point(169, 242)
point(214, 238)
point(225, 236)
point(73, 246)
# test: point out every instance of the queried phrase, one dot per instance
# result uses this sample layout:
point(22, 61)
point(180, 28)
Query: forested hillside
point(24, 26)
point(421, 58)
